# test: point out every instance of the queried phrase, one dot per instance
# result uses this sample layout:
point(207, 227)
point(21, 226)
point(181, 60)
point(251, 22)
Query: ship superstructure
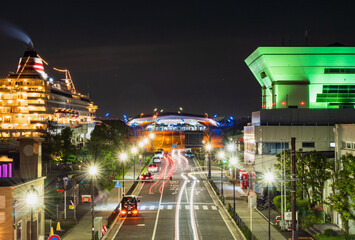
point(29, 98)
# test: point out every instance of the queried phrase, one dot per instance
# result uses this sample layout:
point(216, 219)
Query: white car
point(156, 159)
point(159, 154)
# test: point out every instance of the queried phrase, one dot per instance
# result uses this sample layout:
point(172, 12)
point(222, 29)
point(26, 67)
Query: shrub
point(310, 220)
point(277, 202)
point(329, 233)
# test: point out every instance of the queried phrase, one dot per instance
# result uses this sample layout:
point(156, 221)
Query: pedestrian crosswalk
point(183, 206)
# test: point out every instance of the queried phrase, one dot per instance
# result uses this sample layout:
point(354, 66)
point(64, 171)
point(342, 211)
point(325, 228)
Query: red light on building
point(302, 103)
point(273, 103)
point(283, 103)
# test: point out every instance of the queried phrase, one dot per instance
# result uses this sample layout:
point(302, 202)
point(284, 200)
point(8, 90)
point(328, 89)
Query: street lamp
point(123, 158)
point(31, 200)
point(268, 179)
point(233, 161)
point(93, 170)
point(134, 151)
point(209, 148)
point(141, 144)
point(145, 141)
point(152, 136)
point(221, 156)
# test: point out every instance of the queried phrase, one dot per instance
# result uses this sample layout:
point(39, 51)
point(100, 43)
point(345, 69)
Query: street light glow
point(209, 147)
point(233, 161)
point(269, 177)
point(93, 170)
point(123, 156)
point(145, 141)
point(221, 155)
point(230, 147)
point(134, 150)
point(31, 198)
point(141, 144)
point(151, 135)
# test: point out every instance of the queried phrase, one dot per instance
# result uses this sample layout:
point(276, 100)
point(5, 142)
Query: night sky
point(132, 56)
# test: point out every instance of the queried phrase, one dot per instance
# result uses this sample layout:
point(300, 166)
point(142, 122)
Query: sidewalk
point(260, 227)
point(103, 208)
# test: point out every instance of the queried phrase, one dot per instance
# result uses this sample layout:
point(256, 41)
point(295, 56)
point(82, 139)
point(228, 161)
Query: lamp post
point(92, 172)
point(233, 161)
point(209, 148)
point(134, 151)
point(152, 136)
point(31, 200)
point(221, 156)
point(269, 178)
point(123, 158)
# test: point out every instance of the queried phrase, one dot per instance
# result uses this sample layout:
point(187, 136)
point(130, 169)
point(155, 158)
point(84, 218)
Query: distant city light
point(230, 147)
point(214, 116)
point(151, 135)
point(221, 155)
point(134, 150)
point(107, 114)
point(93, 170)
point(123, 156)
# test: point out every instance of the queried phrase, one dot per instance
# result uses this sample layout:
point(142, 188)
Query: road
point(181, 208)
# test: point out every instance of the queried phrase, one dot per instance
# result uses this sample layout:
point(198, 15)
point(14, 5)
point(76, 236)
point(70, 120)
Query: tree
point(106, 141)
point(312, 171)
point(343, 185)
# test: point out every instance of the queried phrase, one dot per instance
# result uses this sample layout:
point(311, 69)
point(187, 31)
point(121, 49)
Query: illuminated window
point(302, 103)
point(332, 144)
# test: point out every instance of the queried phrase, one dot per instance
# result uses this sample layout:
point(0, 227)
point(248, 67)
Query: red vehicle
point(147, 176)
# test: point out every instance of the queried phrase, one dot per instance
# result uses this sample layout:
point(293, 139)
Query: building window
point(307, 144)
point(348, 145)
point(263, 74)
point(332, 144)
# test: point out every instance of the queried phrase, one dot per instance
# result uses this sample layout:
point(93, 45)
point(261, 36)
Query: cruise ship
point(29, 98)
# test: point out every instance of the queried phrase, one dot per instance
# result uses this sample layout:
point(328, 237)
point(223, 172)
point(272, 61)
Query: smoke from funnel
point(13, 31)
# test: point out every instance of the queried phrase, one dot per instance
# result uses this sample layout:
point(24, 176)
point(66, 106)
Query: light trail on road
point(160, 175)
point(178, 205)
point(192, 212)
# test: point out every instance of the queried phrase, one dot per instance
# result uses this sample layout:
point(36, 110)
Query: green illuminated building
point(305, 77)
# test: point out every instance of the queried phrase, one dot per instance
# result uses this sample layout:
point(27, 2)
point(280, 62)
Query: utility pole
point(293, 187)
point(209, 154)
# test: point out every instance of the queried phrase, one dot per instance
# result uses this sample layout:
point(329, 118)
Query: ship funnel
point(31, 64)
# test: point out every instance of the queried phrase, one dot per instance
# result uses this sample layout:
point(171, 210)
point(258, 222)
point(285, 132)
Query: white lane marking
point(141, 225)
point(196, 207)
point(143, 207)
point(192, 214)
point(170, 207)
point(187, 207)
point(205, 207)
point(161, 207)
point(214, 208)
point(151, 207)
point(178, 206)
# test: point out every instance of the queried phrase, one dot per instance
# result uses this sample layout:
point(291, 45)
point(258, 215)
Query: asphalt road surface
point(181, 208)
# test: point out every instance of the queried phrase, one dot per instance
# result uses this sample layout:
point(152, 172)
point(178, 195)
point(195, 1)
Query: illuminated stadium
point(174, 130)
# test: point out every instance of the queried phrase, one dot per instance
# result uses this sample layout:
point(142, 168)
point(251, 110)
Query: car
point(153, 167)
point(156, 159)
point(129, 205)
point(159, 154)
point(189, 154)
point(147, 176)
point(161, 150)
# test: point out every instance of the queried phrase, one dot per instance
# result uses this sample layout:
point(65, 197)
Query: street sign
point(54, 237)
point(140, 158)
point(118, 184)
point(174, 145)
